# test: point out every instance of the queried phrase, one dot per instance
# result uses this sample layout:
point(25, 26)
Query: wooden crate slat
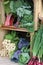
point(2, 33)
point(13, 28)
point(36, 6)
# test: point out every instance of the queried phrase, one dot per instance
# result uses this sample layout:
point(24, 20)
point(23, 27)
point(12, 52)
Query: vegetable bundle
point(24, 58)
point(12, 5)
point(12, 37)
point(37, 48)
point(35, 61)
point(23, 11)
point(27, 22)
point(38, 42)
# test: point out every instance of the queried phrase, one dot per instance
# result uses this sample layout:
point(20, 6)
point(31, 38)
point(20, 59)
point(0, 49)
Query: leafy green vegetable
point(27, 18)
point(27, 22)
point(14, 5)
point(21, 11)
point(24, 58)
point(25, 50)
point(12, 36)
point(6, 2)
point(8, 36)
point(6, 7)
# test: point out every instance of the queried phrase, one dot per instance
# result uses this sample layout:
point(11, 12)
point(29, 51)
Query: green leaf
point(24, 58)
point(6, 2)
point(14, 5)
point(7, 8)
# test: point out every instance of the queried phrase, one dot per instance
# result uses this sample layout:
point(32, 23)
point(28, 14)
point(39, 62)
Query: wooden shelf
point(13, 28)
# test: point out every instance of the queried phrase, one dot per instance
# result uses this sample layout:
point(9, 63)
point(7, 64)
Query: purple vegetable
point(16, 24)
point(15, 56)
point(22, 43)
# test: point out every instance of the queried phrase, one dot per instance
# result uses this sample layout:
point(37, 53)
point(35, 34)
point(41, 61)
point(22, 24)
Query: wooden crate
point(37, 16)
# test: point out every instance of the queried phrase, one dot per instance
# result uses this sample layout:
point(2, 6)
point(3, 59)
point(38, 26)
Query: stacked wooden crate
point(37, 15)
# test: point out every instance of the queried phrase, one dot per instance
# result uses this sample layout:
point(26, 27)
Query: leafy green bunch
point(27, 22)
point(12, 5)
point(12, 36)
point(23, 11)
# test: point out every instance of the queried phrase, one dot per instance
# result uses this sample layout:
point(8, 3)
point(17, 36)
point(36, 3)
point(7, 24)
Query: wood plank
point(41, 11)
point(31, 45)
point(13, 28)
point(2, 33)
point(36, 6)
